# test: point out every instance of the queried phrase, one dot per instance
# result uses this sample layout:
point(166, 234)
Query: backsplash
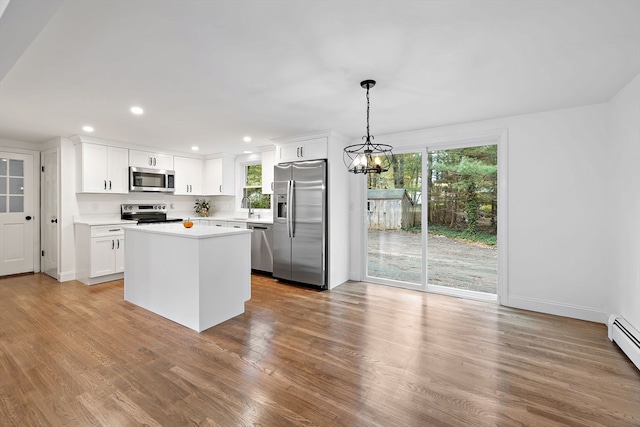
point(109, 204)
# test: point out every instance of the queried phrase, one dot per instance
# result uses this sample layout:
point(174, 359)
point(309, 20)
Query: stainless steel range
point(146, 214)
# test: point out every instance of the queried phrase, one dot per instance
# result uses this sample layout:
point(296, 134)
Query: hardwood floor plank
point(359, 355)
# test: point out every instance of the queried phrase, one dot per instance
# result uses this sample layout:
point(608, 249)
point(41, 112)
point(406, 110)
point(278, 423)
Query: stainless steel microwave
point(152, 180)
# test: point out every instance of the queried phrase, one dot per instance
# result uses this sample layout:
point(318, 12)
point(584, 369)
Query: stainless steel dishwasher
point(261, 247)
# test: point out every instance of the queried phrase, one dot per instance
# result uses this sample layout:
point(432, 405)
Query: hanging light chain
point(368, 136)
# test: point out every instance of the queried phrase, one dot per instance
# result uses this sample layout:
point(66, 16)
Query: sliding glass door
point(394, 222)
point(438, 232)
point(462, 220)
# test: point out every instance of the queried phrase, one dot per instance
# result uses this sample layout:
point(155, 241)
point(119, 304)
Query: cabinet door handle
point(301, 152)
point(113, 244)
point(154, 161)
point(118, 244)
point(109, 184)
point(271, 185)
point(105, 184)
point(221, 188)
point(150, 161)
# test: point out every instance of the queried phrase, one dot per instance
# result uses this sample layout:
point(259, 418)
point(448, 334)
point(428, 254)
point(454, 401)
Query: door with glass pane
point(393, 223)
point(16, 213)
point(462, 220)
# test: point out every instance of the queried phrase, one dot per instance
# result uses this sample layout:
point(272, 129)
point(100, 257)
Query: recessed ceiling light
point(137, 110)
point(247, 152)
point(195, 148)
point(247, 139)
point(87, 128)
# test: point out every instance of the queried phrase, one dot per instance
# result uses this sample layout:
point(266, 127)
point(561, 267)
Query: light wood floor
point(359, 355)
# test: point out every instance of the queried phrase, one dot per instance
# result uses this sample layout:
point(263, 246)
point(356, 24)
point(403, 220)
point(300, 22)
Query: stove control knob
point(164, 207)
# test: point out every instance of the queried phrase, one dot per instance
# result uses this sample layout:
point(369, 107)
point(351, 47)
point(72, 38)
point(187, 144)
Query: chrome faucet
point(247, 205)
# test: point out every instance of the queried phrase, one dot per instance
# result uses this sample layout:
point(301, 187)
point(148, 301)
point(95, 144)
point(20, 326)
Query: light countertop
point(101, 220)
point(195, 232)
point(236, 219)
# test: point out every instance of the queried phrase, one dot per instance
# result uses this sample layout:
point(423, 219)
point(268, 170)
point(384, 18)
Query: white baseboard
point(558, 309)
point(66, 276)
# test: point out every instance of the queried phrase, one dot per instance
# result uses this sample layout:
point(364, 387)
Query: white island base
point(197, 277)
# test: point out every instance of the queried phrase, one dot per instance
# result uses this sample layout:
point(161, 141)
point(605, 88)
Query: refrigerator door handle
point(289, 191)
point(292, 212)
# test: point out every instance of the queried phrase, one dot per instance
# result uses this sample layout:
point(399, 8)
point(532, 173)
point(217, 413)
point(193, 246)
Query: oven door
point(152, 180)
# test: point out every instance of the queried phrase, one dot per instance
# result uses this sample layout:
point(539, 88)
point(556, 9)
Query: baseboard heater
point(626, 336)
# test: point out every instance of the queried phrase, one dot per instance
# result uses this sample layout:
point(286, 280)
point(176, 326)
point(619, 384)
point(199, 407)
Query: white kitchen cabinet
point(147, 159)
point(219, 176)
point(107, 255)
point(212, 223)
point(189, 175)
point(311, 149)
point(222, 223)
point(236, 224)
point(102, 168)
point(100, 253)
point(268, 160)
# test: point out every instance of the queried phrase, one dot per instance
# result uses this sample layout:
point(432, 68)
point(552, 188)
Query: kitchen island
point(197, 277)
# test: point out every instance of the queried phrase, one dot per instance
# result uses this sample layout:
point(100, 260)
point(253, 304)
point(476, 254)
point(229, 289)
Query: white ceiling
point(210, 72)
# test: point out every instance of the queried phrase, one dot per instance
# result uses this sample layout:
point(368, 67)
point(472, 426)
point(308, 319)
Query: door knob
point(28, 217)
point(54, 221)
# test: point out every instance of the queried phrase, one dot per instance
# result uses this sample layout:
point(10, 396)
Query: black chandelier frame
point(368, 157)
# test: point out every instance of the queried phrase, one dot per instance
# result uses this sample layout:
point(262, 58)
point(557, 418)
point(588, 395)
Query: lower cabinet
point(107, 255)
point(221, 223)
point(99, 253)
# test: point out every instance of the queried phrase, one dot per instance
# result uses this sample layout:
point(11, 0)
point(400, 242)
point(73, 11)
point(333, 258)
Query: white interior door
point(49, 224)
point(16, 213)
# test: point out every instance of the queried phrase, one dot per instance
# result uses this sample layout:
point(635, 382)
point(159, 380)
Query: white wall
point(68, 210)
point(558, 260)
point(338, 212)
point(624, 218)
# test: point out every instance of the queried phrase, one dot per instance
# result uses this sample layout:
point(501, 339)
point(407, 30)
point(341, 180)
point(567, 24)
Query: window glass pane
point(258, 200)
point(3, 185)
point(462, 218)
point(16, 185)
point(253, 175)
point(16, 204)
point(16, 167)
point(394, 206)
point(3, 167)
point(3, 204)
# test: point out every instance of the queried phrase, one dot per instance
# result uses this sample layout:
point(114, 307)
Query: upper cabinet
point(268, 160)
point(309, 149)
point(102, 168)
point(189, 176)
point(146, 159)
point(219, 176)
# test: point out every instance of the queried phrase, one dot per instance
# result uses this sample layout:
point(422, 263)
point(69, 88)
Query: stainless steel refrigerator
point(300, 222)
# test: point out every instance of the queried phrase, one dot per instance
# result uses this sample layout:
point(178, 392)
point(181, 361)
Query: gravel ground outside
point(397, 255)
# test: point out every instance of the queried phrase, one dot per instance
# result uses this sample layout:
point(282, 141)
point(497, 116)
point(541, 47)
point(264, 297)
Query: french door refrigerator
point(299, 222)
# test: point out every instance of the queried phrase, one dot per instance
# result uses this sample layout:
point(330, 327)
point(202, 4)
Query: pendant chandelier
point(368, 158)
